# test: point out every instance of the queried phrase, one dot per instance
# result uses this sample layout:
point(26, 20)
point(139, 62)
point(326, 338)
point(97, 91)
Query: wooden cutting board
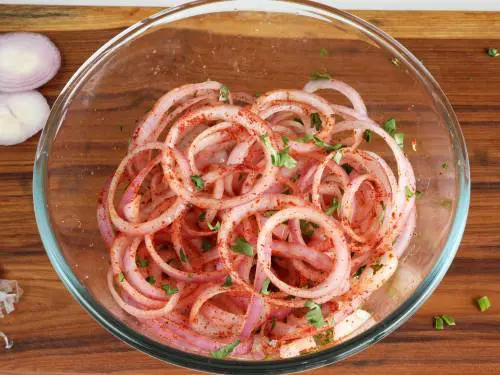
point(53, 334)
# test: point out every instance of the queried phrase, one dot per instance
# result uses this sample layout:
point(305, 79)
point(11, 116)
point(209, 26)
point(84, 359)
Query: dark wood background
point(53, 334)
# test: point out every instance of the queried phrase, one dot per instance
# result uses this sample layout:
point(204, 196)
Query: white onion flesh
point(22, 115)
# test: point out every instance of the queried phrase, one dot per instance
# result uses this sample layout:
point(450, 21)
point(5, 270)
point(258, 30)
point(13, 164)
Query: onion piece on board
point(27, 61)
point(22, 114)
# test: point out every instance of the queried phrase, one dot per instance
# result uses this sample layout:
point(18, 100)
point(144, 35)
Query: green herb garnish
point(285, 140)
point(228, 282)
point(202, 216)
point(324, 338)
point(265, 285)
point(323, 52)
point(241, 246)
point(399, 138)
point(285, 160)
point(347, 167)
point(223, 93)
point(214, 228)
point(316, 121)
point(493, 52)
point(316, 76)
point(206, 244)
point(198, 182)
point(318, 142)
point(338, 156)
point(306, 228)
point(390, 126)
point(141, 262)
point(151, 279)
point(314, 315)
point(273, 323)
point(358, 273)
point(279, 159)
point(169, 290)
point(444, 165)
point(334, 206)
point(382, 215)
point(121, 277)
point(225, 350)
point(408, 192)
point(448, 319)
point(418, 194)
point(483, 303)
point(367, 135)
point(182, 256)
point(438, 323)
point(376, 267)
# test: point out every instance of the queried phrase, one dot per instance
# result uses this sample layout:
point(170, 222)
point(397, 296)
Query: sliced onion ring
point(27, 61)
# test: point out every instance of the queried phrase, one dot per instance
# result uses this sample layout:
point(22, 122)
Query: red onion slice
point(27, 61)
point(225, 231)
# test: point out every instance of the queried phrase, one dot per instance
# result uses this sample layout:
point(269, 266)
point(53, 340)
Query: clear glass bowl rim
point(193, 361)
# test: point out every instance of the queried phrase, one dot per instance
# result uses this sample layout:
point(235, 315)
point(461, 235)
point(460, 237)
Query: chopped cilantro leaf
point(376, 267)
point(317, 76)
point(225, 350)
point(214, 228)
point(324, 338)
point(314, 315)
point(438, 323)
point(334, 206)
point(265, 285)
point(390, 126)
point(223, 93)
point(367, 135)
point(182, 256)
point(316, 121)
point(493, 52)
point(206, 244)
point(408, 192)
point(279, 159)
point(169, 290)
point(483, 303)
point(241, 246)
point(399, 138)
point(198, 182)
point(347, 167)
point(306, 228)
point(338, 156)
point(358, 273)
point(228, 281)
point(142, 263)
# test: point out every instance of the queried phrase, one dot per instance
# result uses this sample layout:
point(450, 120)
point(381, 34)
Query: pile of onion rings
point(255, 227)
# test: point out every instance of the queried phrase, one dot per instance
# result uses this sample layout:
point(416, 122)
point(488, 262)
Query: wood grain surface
point(54, 335)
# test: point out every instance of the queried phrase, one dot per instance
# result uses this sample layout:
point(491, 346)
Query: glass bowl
point(250, 46)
